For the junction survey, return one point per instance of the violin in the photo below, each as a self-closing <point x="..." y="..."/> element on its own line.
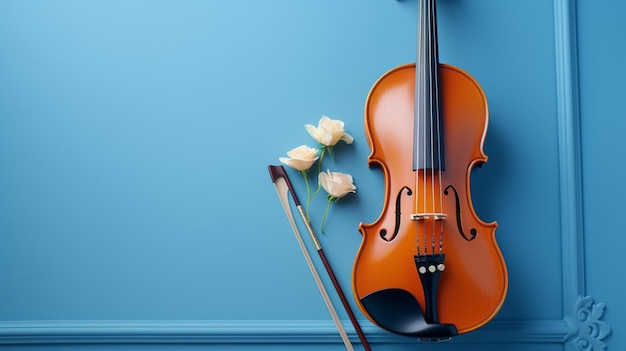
<point x="428" y="267"/>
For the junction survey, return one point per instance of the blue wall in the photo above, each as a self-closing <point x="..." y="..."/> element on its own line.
<point x="136" y="211"/>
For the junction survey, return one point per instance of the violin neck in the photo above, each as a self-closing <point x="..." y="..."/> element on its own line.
<point x="428" y="131"/>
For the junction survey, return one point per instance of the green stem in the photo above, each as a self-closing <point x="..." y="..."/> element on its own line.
<point x="330" y="199"/>
<point x="319" y="170"/>
<point x="330" y="151"/>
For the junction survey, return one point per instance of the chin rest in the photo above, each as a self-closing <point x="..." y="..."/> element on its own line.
<point x="397" y="311"/>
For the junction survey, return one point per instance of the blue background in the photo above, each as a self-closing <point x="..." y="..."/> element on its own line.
<point x="136" y="210"/>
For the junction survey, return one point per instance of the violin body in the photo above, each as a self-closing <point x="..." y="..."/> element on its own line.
<point x="427" y="213"/>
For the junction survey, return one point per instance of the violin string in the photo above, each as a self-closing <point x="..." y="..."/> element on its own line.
<point x="439" y="129"/>
<point x="433" y="116"/>
<point x="430" y="114"/>
<point x="417" y="128"/>
<point x="424" y="114"/>
<point x="428" y="130"/>
<point x="419" y="120"/>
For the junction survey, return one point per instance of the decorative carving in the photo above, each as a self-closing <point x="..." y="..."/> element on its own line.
<point x="586" y="330"/>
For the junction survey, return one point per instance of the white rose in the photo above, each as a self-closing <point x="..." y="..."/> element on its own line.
<point x="329" y="132"/>
<point x="337" y="184"/>
<point x="300" y="158"/>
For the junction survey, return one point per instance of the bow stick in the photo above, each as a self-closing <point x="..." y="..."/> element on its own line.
<point x="282" y="185"/>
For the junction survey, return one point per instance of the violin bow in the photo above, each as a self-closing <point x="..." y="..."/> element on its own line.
<point x="283" y="187"/>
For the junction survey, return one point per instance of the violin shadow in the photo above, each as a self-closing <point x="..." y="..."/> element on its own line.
<point x="492" y="187"/>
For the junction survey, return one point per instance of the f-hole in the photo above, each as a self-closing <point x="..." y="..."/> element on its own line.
<point x="473" y="231"/>
<point x="383" y="232"/>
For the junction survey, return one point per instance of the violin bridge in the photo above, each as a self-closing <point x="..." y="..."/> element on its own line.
<point x="422" y="216"/>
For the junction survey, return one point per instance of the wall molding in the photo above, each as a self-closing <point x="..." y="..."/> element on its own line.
<point x="585" y="330"/>
<point x="569" y="152"/>
<point x="251" y="332"/>
<point x="582" y="330"/>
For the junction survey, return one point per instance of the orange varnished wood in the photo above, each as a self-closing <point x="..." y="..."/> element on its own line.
<point x="473" y="286"/>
